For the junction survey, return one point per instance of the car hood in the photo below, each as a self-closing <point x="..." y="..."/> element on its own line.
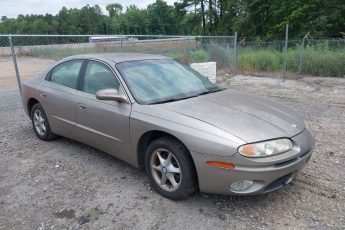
<point x="250" y="118"/>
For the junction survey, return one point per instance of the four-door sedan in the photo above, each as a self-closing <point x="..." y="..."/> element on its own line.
<point x="157" y="114"/>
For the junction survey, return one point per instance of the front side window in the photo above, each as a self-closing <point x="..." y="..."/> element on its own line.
<point x="97" y="77"/>
<point x="67" y="73"/>
<point x="160" y="81"/>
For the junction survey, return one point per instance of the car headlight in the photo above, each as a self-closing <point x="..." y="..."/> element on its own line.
<point x="266" y="148"/>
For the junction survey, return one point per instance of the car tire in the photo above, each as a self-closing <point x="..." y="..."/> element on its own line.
<point x="40" y="123"/>
<point x="170" y="168"/>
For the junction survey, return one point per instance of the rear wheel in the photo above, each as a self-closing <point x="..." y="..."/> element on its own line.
<point x="170" y="168"/>
<point x="40" y="123"/>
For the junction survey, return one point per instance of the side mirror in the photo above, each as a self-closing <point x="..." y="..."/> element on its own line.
<point x="111" y="95"/>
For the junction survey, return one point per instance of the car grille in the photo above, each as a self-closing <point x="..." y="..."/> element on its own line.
<point x="278" y="183"/>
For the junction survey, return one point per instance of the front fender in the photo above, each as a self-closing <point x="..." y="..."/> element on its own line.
<point x="195" y="139"/>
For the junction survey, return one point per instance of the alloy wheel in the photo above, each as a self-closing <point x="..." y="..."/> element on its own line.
<point x="166" y="170"/>
<point x="40" y="123"/>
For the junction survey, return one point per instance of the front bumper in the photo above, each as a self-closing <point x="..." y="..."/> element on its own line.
<point x="268" y="173"/>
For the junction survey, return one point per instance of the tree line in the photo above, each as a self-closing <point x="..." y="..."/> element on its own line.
<point x="250" y="18"/>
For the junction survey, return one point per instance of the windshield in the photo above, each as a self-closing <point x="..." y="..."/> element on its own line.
<point x="160" y="81"/>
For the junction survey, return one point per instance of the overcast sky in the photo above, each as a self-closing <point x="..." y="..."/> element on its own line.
<point x="11" y="8"/>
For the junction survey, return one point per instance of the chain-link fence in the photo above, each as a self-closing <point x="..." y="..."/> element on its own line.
<point x="314" y="57"/>
<point x="260" y="57"/>
<point x="38" y="51"/>
<point x="34" y="53"/>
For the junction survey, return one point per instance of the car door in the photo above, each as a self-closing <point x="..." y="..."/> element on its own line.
<point x="57" y="96"/>
<point x="102" y="124"/>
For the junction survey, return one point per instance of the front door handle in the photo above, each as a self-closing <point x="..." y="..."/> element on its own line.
<point x="82" y="107"/>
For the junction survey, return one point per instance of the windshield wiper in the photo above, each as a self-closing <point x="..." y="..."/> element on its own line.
<point x="209" y="91"/>
<point x="173" y="99"/>
<point x="182" y="98"/>
<point x="165" y="101"/>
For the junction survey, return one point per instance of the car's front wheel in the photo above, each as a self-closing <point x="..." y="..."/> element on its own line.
<point x="170" y="168"/>
<point x="40" y="123"/>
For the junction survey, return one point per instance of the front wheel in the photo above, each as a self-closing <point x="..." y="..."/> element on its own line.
<point x="170" y="168"/>
<point x="40" y="123"/>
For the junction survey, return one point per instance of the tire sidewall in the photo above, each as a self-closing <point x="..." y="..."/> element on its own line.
<point x="40" y="108"/>
<point x="187" y="168"/>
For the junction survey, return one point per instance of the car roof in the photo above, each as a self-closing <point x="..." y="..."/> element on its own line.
<point x="118" y="57"/>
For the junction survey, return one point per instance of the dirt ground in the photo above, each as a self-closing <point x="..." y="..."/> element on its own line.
<point x="67" y="185"/>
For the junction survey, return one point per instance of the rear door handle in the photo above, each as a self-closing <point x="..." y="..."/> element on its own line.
<point x="43" y="95"/>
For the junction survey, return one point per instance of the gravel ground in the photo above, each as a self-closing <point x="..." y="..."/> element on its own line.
<point x="63" y="184"/>
<point x="27" y="66"/>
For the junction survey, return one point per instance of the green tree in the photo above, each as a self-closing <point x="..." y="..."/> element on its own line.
<point x="115" y="21"/>
<point x="91" y="20"/>
<point x="135" y="21"/>
<point x="250" y="18"/>
<point x="114" y="9"/>
<point x="162" y="18"/>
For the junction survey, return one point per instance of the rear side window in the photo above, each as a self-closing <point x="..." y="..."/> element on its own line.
<point x="67" y="73"/>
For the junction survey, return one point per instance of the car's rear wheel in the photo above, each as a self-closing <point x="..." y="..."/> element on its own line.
<point x="40" y="123"/>
<point x="170" y="168"/>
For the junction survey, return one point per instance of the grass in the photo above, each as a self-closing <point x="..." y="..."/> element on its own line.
<point x="196" y="56"/>
<point x="318" y="60"/>
<point x="199" y="55"/>
<point x="260" y="60"/>
<point x="52" y="53"/>
<point x="324" y="62"/>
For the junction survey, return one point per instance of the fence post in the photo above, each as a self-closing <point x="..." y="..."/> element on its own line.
<point x="120" y="43"/>
<point x="235" y="54"/>
<point x="301" y="56"/>
<point x="14" y="57"/>
<point x="188" y="56"/>
<point x="286" y="50"/>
